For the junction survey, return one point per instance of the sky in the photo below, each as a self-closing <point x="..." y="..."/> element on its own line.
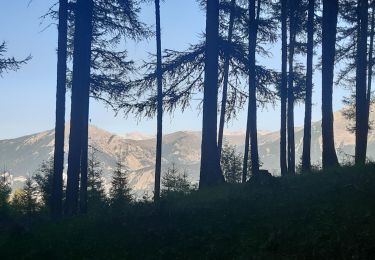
<point x="27" y="97"/>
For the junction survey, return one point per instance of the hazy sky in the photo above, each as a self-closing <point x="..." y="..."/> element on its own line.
<point x="27" y="97"/>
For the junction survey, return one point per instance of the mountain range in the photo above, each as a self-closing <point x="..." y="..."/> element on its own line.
<point x="23" y="156"/>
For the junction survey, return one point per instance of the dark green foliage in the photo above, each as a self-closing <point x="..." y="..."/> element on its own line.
<point x="120" y="192"/>
<point x="231" y="164"/>
<point x="96" y="197"/>
<point x="5" y="191"/>
<point x="24" y="201"/>
<point x="175" y="181"/>
<point x="323" y="215"/>
<point x="43" y="180"/>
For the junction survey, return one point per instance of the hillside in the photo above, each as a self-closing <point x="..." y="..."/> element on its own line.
<point x="23" y="155"/>
<point x="327" y="215"/>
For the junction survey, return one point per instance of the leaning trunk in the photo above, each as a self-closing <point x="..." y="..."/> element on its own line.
<point x="159" y="133"/>
<point x="210" y="171"/>
<point x="57" y="185"/>
<point x="306" y="153"/>
<point x="225" y="80"/>
<point x="284" y="86"/>
<point x="330" y="11"/>
<point x="361" y="123"/>
<point x="80" y="92"/>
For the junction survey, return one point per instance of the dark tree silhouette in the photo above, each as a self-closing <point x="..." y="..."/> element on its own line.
<point x="210" y="171"/>
<point x="306" y="153"/>
<point x="80" y="94"/>
<point x="159" y="133"/>
<point x="226" y="77"/>
<point x="251" y="127"/>
<point x="284" y="86"/>
<point x="361" y="87"/>
<point x="57" y="191"/>
<point x="9" y="64"/>
<point x="329" y="28"/>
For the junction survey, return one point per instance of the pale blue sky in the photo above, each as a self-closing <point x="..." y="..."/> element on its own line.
<point x="27" y="97"/>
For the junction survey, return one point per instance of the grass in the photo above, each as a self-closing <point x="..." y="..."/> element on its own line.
<point x="328" y="215"/>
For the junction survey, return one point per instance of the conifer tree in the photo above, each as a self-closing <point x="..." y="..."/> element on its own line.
<point x="120" y="192"/>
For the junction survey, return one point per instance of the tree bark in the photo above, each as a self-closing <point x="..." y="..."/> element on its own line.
<point x="284" y="86"/>
<point x="159" y="134"/>
<point x="57" y="183"/>
<point x="370" y="65"/>
<point x="210" y="170"/>
<point x="361" y="124"/>
<point x="251" y="127"/>
<point x="290" y="117"/>
<point x="330" y="12"/>
<point x="84" y="156"/>
<point x="80" y="91"/>
<point x="226" y="77"/>
<point x="306" y="153"/>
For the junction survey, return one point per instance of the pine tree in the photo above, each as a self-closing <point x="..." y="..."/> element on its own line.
<point x="175" y="181"/>
<point x="330" y="12"/>
<point x="231" y="164"/>
<point x="25" y="200"/>
<point x="96" y="197"/>
<point x="120" y="192"/>
<point x="210" y="171"/>
<point x="44" y="182"/>
<point x="57" y="191"/>
<point x="5" y="191"/>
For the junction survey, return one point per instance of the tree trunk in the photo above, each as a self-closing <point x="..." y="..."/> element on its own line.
<point x="284" y="86"/>
<point x="84" y="156"/>
<point x="291" y="141"/>
<point x="226" y="77"/>
<point x="57" y="189"/>
<point x="210" y="171"/>
<point x="306" y="153"/>
<point x="80" y="91"/>
<point x="159" y="134"/>
<point x="370" y="64"/>
<point x="251" y="127"/>
<point x="330" y="11"/>
<point x="361" y="123"/>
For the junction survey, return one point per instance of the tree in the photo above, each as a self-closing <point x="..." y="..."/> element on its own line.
<point x="251" y="127"/>
<point x="226" y="77"/>
<point x="57" y="191"/>
<point x="361" y="96"/>
<point x="120" y="192"/>
<point x="25" y="200"/>
<point x="9" y="64"/>
<point x="159" y="133"/>
<point x="306" y="153"/>
<point x="96" y="196"/>
<point x="231" y="164"/>
<point x="175" y="181"/>
<point x="43" y="179"/>
<point x="5" y="191"/>
<point x="80" y="96"/>
<point x="210" y="171"/>
<point x="284" y="87"/>
<point x="330" y="12"/>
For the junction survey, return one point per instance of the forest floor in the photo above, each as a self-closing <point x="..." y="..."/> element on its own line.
<point x="323" y="215"/>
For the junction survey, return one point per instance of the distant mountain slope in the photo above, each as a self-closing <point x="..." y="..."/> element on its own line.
<point x="24" y="155"/>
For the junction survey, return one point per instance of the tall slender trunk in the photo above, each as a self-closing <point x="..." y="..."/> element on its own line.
<point x="251" y="127"/>
<point x="306" y="153"/>
<point x="361" y="123"/>
<point x="84" y="156"/>
<point x="226" y="77"/>
<point x="284" y="87"/>
<point x="57" y="189"/>
<point x="80" y="91"/>
<point x="370" y="65"/>
<point x="210" y="171"/>
<point x="159" y="133"/>
<point x="330" y="11"/>
<point x="290" y="117"/>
